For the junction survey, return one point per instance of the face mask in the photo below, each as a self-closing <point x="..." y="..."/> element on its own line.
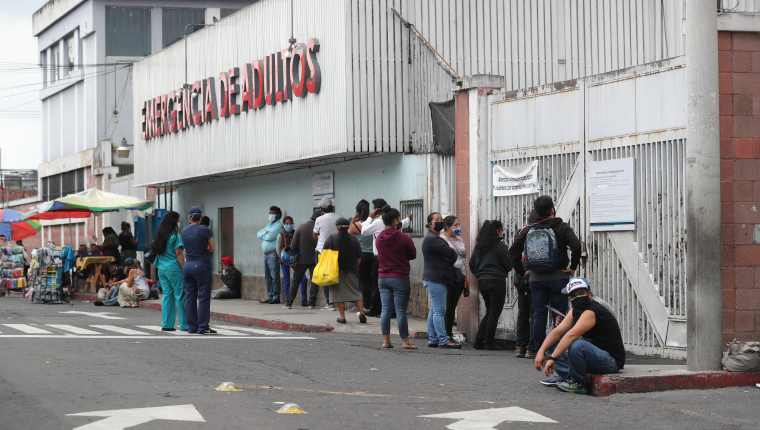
<point x="272" y="218"/>
<point x="438" y="225"/>
<point x="288" y="228"/>
<point x="457" y="231"/>
<point x="580" y="302"/>
<point x="224" y="270"/>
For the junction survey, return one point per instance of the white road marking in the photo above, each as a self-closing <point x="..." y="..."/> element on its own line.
<point x="103" y="315"/>
<point x="121" y="419"/>
<point x="227" y="332"/>
<point x="117" y="329"/>
<point x="27" y="328"/>
<point x="486" y="419"/>
<point x="72" y="329"/>
<point x="253" y="330"/>
<point x="158" y="328"/>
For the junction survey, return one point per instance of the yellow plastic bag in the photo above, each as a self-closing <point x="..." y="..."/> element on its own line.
<point x="326" y="272"/>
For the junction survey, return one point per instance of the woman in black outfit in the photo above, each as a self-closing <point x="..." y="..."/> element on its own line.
<point x="491" y="264"/>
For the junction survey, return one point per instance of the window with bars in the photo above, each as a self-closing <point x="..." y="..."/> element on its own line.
<point x="174" y="22"/>
<point x="63" y="184"/>
<point x="415" y="207"/>
<point x="125" y="169"/>
<point x="128" y="31"/>
<point x="70" y="53"/>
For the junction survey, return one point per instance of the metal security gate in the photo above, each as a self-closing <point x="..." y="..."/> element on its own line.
<point x="640" y="113"/>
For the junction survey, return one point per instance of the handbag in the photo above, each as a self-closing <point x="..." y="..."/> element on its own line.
<point x="326" y="272"/>
<point x="151" y="254"/>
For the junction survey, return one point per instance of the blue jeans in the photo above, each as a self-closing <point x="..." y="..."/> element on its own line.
<point x="582" y="358"/>
<point x="394" y="293"/>
<point x="197" y="277"/>
<point x="114" y="300"/>
<point x="436" y="321"/>
<point x="272" y="275"/>
<point x="286" y="283"/>
<point x="325" y="288"/>
<point x="546" y="293"/>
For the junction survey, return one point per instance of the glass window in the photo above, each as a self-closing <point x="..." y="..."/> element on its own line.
<point x="80" y="180"/>
<point x="128" y="31"/>
<point x="227" y="12"/>
<point x="43" y="63"/>
<point x="45" y="190"/>
<point x="68" y="183"/>
<point x="70" y="53"/>
<point x="174" y="22"/>
<point x="55" y="59"/>
<point x="54" y="187"/>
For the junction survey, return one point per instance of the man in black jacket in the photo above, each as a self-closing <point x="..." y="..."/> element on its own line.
<point x="304" y="244"/>
<point x="546" y="287"/>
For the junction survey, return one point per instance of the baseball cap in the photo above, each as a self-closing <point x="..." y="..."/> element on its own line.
<point x="576" y="284"/>
<point x="129" y="262"/>
<point x="316" y="215"/>
<point x="227" y="261"/>
<point x="195" y="213"/>
<point x="325" y="202"/>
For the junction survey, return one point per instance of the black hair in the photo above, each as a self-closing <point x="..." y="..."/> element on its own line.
<point x="327" y="210"/>
<point x="390" y="214"/>
<point x="125" y="225"/>
<point x="487" y="236"/>
<point x="108" y="230"/>
<point x="206" y="221"/>
<point x="277" y="211"/>
<point x="288" y="218"/>
<point x="430" y="218"/>
<point x="362" y="209"/>
<point x="543" y="206"/>
<point x="449" y="221"/>
<point x="166" y="230"/>
<point x="379" y="203"/>
<point x="345" y="262"/>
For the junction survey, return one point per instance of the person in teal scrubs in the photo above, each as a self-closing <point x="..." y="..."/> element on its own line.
<point x="170" y="259"/>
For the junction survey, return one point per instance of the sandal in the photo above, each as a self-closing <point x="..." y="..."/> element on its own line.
<point x="387" y="345"/>
<point x="408" y="345"/>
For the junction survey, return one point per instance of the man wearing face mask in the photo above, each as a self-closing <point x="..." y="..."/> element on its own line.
<point x="268" y="236"/>
<point x="600" y="351"/>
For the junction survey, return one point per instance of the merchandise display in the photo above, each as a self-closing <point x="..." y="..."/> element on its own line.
<point x="45" y="275"/>
<point x="13" y="261"/>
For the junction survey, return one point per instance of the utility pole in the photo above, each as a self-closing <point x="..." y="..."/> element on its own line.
<point x="704" y="295"/>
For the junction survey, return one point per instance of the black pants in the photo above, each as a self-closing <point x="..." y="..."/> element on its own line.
<point x="299" y="271"/>
<point x="525" y="321"/>
<point x="494" y="294"/>
<point x="365" y="277"/>
<point x="452" y="298"/>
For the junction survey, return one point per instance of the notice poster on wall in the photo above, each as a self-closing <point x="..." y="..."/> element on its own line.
<point x="611" y="195"/>
<point x="515" y="180"/>
<point x="322" y="185"/>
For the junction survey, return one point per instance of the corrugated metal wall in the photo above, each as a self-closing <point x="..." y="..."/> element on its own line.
<point x="291" y="131"/>
<point x="750" y="6"/>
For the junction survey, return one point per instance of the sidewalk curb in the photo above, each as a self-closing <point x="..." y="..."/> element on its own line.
<point x="238" y="319"/>
<point x="605" y="385"/>
<point x="84" y="297"/>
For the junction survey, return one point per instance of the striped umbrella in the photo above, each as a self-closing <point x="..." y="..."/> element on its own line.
<point x="14" y="227"/>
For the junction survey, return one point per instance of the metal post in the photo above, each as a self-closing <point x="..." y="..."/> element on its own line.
<point x="704" y="296"/>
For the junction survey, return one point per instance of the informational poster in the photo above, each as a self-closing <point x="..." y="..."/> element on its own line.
<point x="515" y="180"/>
<point x="611" y="195"/>
<point x="322" y="185"/>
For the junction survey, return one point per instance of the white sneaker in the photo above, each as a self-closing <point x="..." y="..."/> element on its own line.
<point x="328" y="307"/>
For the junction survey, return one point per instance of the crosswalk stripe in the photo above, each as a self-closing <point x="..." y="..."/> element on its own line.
<point x="253" y="330"/>
<point x="27" y="328"/>
<point x="227" y="332"/>
<point x="158" y="328"/>
<point x="72" y="329"/>
<point x="117" y="329"/>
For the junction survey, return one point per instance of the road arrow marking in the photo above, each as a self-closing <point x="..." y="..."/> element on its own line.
<point x="95" y="314"/>
<point x="485" y="419"/>
<point x="123" y="418"/>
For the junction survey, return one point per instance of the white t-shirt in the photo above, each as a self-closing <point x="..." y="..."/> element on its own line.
<point x="325" y="226"/>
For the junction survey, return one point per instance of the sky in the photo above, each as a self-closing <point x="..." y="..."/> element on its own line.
<point x="20" y="126"/>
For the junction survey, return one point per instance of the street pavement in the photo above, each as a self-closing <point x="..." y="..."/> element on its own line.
<point x="114" y="368"/>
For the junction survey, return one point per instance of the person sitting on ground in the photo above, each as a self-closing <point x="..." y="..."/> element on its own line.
<point x="232" y="278"/>
<point x="600" y="351"/>
<point x="135" y="287"/>
<point x="108" y="295"/>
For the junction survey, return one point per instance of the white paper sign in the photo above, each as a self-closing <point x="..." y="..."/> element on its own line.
<point x="322" y="185"/>
<point x="610" y="189"/>
<point x="515" y="180"/>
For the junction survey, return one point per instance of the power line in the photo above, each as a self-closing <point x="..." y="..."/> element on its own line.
<point x="96" y="75"/>
<point x="52" y="84"/>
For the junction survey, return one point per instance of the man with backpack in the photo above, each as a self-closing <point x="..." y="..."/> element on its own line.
<point x="542" y="247"/>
